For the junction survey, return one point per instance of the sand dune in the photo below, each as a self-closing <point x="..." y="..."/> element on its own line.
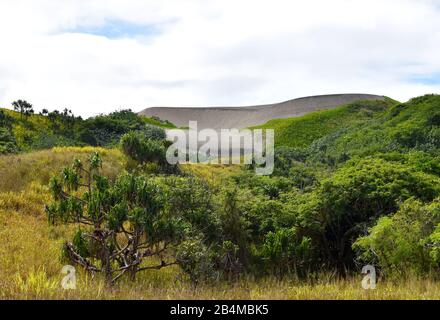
<point x="242" y="117"/>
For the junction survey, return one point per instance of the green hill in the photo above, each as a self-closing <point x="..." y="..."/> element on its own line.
<point x="363" y="128"/>
<point x="403" y="128"/>
<point x="302" y="131"/>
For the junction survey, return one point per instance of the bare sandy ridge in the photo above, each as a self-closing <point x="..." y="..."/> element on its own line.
<point x="242" y="117"/>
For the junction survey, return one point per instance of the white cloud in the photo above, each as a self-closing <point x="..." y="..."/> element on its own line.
<point x="214" y="52"/>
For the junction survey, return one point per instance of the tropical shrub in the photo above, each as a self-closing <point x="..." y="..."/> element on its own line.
<point x="405" y="242"/>
<point x="147" y="149"/>
<point x="154" y="133"/>
<point x="285" y="252"/>
<point x="142" y="149"/>
<point x="122" y="223"/>
<point x="352" y="199"/>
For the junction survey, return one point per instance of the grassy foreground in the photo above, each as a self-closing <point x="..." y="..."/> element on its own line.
<point x="30" y="265"/>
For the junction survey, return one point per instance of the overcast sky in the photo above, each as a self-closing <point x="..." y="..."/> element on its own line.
<point x="98" y="56"/>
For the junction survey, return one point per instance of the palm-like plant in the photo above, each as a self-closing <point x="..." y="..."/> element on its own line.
<point x="25" y="108"/>
<point x="123" y="223"/>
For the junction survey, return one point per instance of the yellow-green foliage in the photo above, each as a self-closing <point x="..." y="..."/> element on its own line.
<point x="215" y="175"/>
<point x="29" y="201"/>
<point x="22" y="131"/>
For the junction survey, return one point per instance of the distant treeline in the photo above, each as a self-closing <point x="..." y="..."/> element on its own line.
<point x="24" y="130"/>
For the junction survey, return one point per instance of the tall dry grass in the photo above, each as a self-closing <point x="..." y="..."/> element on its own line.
<point x="17" y="171"/>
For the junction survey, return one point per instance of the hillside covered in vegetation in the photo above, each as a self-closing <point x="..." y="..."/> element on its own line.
<point x="22" y="130"/>
<point x="352" y="186"/>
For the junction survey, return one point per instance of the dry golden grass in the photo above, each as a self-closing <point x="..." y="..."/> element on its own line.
<point x="17" y="171"/>
<point x="30" y="265"/>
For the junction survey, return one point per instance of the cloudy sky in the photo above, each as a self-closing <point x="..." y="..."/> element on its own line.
<point x="98" y="56"/>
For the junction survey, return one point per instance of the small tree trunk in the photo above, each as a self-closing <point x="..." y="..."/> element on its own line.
<point x="106" y="265"/>
<point x="133" y="271"/>
<point x="134" y="249"/>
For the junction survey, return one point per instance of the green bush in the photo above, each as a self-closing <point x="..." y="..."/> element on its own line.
<point x="196" y="261"/>
<point x="154" y="133"/>
<point x="405" y="242"/>
<point x="8" y="144"/>
<point x="352" y="199"/>
<point x="303" y="177"/>
<point x="285" y="252"/>
<point x="140" y="148"/>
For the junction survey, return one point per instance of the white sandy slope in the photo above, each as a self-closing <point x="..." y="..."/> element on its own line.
<point x="242" y="117"/>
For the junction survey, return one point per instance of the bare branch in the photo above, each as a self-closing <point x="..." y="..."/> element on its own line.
<point x="75" y="257"/>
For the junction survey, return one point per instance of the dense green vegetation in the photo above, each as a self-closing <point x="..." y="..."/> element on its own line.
<point x="352" y="186"/>
<point x="22" y="130"/>
<point x="353" y="180"/>
<point x="302" y="131"/>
